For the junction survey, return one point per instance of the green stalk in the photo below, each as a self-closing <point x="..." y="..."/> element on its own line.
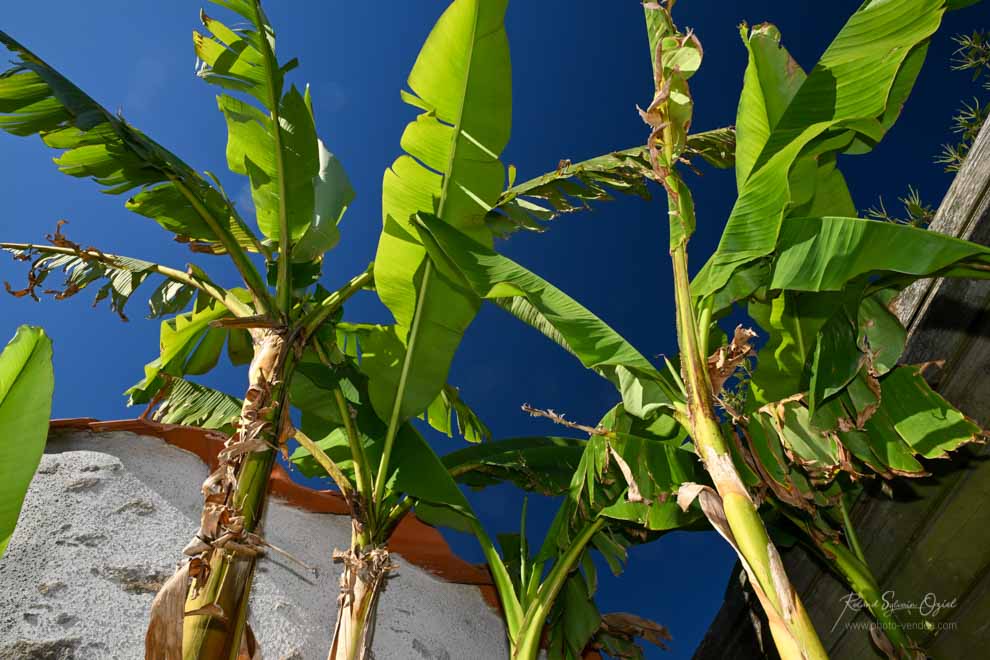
<point x="327" y="463"/>
<point x="860" y="579"/>
<point x="400" y="390"/>
<point x="704" y="323"/>
<point x="237" y="254"/>
<point x="527" y="647"/>
<point x="850" y="530"/>
<point x="362" y="475"/>
<point x="795" y="638"/>
<point x="503" y="583"/>
<point x="326" y="307"/>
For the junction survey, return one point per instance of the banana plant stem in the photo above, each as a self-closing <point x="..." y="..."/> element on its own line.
<point x="795" y="636"/>
<point x="240" y="258"/>
<point x="362" y="475"/>
<point x="326" y="307"/>
<point x="527" y="646"/>
<point x="857" y="574"/>
<point x="216" y="635"/>
<point x="850" y="530"/>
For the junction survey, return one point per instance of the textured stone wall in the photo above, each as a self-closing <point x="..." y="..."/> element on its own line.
<point x="102" y="528"/>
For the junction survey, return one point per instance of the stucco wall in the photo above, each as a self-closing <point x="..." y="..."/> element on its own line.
<point x="103" y="525"/>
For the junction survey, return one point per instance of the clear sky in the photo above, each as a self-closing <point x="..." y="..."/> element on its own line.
<point x="579" y="68"/>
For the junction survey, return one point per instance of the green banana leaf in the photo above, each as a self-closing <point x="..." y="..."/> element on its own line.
<point x="189" y="346"/>
<point x="847" y="103"/>
<point x="36" y="99"/>
<point x="771" y="80"/>
<point x="462" y="82"/>
<point x="379" y="352"/>
<point x="186" y="403"/>
<point x="572" y="186"/>
<point x="26" y="386"/>
<point x="295" y="181"/>
<point x="535" y="464"/>
<point x="824" y="254"/>
<point x="882" y="428"/>
<point x="492" y="276"/>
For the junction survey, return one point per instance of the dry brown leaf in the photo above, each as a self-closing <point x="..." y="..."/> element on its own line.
<point x="250" y="650"/>
<point x="724" y="362"/>
<point x="633" y="494"/>
<point x="632" y="626"/>
<point x="163" y="641"/>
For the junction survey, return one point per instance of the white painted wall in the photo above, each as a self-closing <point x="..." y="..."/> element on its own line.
<point x="104" y="523"/>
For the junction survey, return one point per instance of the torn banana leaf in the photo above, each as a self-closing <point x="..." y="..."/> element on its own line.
<point x="190" y="404"/>
<point x="119" y="276"/>
<point x="883" y="428"/>
<point x="864" y="81"/>
<point x="572" y="186"/>
<point x="37" y="100"/>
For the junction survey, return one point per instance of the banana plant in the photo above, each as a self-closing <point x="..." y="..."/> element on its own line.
<point x="26" y="386"/>
<point x="621" y="493"/>
<point x="285" y="324"/>
<point x="818" y="279"/>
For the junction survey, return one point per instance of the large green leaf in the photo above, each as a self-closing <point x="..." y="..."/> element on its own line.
<point x="771" y="80"/>
<point x="835" y="277"/>
<point x="333" y="194"/>
<point x="462" y="81"/>
<point x="36" y="99"/>
<point x="416" y="471"/>
<point x="792" y="322"/>
<point x="26" y="386"/>
<point x="379" y="352"/>
<point x="573" y="620"/>
<point x="296" y="183"/>
<point x="824" y="254"/>
<point x="493" y="276"/>
<point x="849" y="100"/>
<point x="572" y="186"/>
<point x="884" y="428"/>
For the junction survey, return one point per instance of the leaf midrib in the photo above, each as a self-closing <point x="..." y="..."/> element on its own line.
<point x="460" y="114"/>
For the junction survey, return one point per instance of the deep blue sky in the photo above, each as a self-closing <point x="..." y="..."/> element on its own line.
<point x="579" y="70"/>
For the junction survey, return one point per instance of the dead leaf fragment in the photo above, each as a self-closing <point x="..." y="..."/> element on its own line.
<point x="633" y="494"/>
<point x="630" y="626"/>
<point x="724" y="362"/>
<point x="163" y="641"/>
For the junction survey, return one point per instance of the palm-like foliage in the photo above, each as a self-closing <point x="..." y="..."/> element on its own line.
<point x="290" y="333"/>
<point x="826" y="404"/>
